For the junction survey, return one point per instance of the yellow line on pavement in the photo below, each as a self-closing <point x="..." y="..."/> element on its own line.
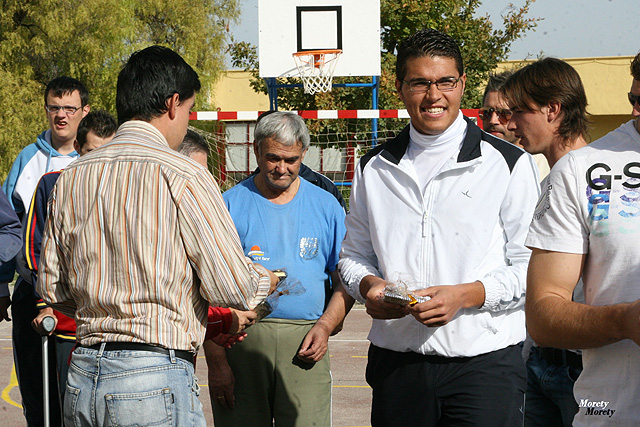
<point x="13" y="382"/>
<point x="351" y="386"/>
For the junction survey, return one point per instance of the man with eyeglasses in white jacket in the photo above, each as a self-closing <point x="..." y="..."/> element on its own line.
<point x="446" y="207"/>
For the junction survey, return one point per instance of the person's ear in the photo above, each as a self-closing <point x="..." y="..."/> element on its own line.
<point x="463" y="82"/>
<point x="554" y="109"/>
<point x="172" y="105"/>
<point x="399" y="89"/>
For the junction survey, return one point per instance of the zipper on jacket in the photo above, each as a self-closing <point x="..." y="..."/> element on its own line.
<point x="425" y="217"/>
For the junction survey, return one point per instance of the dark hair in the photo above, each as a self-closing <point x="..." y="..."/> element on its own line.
<point x="635" y="67"/>
<point x="284" y="126"/>
<point x="63" y="85"/>
<point x="551" y="80"/>
<point x="427" y="42"/>
<point x="99" y="122"/>
<point x="149" y="78"/>
<point x="495" y="82"/>
<point x="193" y="142"/>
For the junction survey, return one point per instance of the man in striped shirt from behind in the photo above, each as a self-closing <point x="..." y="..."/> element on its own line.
<point x="138" y="243"/>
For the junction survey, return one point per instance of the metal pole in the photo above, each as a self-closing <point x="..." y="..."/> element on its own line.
<point x="48" y="324"/>
<point x="374" y="105"/>
<point x="272" y="90"/>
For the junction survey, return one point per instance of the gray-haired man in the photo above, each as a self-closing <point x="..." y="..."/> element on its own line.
<point x="283" y="221"/>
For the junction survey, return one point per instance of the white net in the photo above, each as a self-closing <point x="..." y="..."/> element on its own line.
<point x="316" y="69"/>
<point x="336" y="147"/>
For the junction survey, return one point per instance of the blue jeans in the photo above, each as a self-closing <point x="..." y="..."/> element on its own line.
<point x="549" y="397"/>
<point x="131" y="388"/>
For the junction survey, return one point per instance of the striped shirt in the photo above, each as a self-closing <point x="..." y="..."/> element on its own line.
<point x="138" y="242"/>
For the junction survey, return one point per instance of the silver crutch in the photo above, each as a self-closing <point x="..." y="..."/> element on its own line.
<point x="48" y="324"/>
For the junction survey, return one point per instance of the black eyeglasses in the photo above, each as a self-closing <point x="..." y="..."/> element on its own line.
<point x="504" y="114"/>
<point x="633" y="99"/>
<point x="443" y="85"/>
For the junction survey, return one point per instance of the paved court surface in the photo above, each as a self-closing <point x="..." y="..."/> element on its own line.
<point x="348" y="352"/>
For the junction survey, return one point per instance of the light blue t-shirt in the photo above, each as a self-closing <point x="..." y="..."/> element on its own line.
<point x="302" y="236"/>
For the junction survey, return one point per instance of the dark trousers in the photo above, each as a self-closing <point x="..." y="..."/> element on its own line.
<point x="411" y="389"/>
<point x="27" y="355"/>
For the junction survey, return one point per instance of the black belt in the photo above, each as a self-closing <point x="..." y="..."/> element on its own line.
<point x="136" y="346"/>
<point x="559" y="357"/>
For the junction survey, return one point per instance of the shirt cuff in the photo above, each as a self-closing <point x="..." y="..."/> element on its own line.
<point x="264" y="285"/>
<point x="354" y="286"/>
<point x="491" y="292"/>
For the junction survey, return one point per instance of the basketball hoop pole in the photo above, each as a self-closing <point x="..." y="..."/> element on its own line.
<point x="273" y="86"/>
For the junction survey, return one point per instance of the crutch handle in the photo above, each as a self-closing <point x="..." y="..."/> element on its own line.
<point x="48" y="323"/>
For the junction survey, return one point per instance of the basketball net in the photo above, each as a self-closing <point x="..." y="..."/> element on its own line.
<point x="316" y="69"/>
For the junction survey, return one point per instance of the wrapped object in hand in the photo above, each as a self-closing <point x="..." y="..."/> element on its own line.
<point x="286" y="287"/>
<point x="397" y="292"/>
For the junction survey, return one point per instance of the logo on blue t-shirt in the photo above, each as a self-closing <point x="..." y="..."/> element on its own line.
<point x="308" y="247"/>
<point x="257" y="254"/>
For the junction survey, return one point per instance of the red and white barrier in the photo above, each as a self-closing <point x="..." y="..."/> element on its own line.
<point x="313" y="114"/>
<point x="306" y="114"/>
<point x="251" y="116"/>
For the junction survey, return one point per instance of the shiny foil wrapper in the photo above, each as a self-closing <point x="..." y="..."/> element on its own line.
<point x="409" y="299"/>
<point x="397" y="293"/>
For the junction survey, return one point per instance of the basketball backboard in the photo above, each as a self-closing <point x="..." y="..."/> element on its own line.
<point x="289" y="26"/>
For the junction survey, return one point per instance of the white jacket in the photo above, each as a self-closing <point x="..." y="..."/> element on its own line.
<point x="470" y="224"/>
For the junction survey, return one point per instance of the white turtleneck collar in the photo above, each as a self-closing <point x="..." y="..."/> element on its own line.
<point x="428" y="153"/>
<point x="453" y="132"/>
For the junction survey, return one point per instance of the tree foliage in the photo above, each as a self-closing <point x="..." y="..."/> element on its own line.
<point x="482" y="48"/>
<point x="90" y="40"/>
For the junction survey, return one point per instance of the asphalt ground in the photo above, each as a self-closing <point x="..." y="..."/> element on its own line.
<point x="347" y="350"/>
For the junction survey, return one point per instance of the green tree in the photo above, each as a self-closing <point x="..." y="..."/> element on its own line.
<point x="90" y="40"/>
<point x="482" y="48"/>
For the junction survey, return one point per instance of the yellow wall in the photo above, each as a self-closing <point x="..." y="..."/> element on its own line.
<point x="606" y="82"/>
<point x="233" y="93"/>
<point x="602" y="125"/>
